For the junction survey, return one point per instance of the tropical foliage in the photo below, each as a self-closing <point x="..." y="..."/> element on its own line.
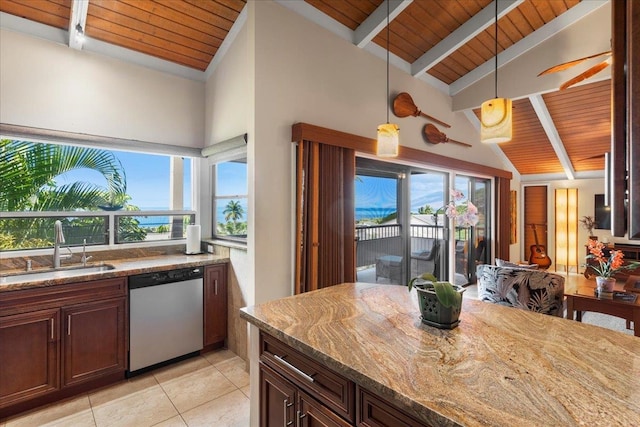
<point x="29" y="173"/>
<point x="233" y="213"/>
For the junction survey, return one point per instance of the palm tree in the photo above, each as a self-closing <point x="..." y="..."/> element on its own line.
<point x="28" y="173"/>
<point x="233" y="211"/>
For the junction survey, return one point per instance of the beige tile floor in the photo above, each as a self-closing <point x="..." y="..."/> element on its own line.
<point x="208" y="390"/>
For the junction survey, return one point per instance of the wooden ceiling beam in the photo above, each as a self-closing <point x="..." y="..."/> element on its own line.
<point x="79" y="9"/>
<point x="375" y="22"/>
<point x="462" y="35"/>
<point x="550" y="129"/>
<point x="532" y="40"/>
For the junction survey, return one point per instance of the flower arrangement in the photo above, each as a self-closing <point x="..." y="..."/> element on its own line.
<point x="606" y="267"/>
<point x="465" y="216"/>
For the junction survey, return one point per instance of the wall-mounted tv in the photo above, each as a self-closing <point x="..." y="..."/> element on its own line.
<point x="603" y="213"/>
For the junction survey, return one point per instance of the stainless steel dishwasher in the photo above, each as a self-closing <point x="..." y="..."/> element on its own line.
<point x="165" y="317"/>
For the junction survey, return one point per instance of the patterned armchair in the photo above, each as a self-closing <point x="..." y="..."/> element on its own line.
<point x="533" y="290"/>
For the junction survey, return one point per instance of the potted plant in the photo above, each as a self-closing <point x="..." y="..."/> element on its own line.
<point x="605" y="266"/>
<point x="589" y="223"/>
<point x="440" y="302"/>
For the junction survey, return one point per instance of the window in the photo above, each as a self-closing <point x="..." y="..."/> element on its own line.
<point x="100" y="196"/>
<point x="230" y="199"/>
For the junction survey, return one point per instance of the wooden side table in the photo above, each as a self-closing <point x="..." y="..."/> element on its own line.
<point x="584" y="299"/>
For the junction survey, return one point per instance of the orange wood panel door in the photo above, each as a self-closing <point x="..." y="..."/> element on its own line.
<point x="535" y="216"/>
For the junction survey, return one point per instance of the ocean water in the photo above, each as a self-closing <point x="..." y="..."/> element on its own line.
<point x="361" y="213"/>
<point x="373" y="212"/>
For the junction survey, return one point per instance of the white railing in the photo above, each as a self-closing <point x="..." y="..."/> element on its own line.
<point x="107" y="229"/>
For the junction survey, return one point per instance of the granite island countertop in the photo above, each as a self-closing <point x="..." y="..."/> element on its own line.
<point x="500" y="367"/>
<point x="123" y="267"/>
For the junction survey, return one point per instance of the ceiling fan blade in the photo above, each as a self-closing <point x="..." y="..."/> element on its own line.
<point x="565" y="65"/>
<point x="582" y="76"/>
<point x="598" y="156"/>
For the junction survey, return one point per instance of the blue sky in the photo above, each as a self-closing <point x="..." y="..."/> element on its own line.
<point x="147" y="179"/>
<point x="381" y="192"/>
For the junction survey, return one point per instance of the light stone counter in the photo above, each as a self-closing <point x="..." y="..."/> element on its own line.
<point x="125" y="266"/>
<point x="501" y="367"/>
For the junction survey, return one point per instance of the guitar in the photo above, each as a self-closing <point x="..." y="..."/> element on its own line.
<point x="538" y="254"/>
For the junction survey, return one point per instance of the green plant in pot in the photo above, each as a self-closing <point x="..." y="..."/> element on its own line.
<point x="440" y="302"/>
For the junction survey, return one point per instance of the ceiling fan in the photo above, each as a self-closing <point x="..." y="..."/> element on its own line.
<point x="585" y="75"/>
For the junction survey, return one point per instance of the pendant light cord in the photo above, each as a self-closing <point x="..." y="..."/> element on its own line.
<point x="495" y="77"/>
<point x="386" y="96"/>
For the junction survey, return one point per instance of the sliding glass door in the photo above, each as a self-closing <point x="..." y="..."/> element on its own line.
<point x="428" y="231"/>
<point x="472" y="243"/>
<point x="379" y="241"/>
<point x="402" y="230"/>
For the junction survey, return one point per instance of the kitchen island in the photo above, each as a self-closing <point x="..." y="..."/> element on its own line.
<point x="500" y="367"/>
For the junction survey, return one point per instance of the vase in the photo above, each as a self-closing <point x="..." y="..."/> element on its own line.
<point x="605" y="283"/>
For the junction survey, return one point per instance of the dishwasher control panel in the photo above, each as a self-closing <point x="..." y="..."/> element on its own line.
<point x="161" y="277"/>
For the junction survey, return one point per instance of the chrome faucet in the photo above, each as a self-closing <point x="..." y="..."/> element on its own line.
<point x="85" y="258"/>
<point x="59" y="238"/>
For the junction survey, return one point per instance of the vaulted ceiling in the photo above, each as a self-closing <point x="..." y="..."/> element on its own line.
<point x="447" y="43"/>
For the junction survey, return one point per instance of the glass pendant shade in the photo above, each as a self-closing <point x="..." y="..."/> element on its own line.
<point x="496" y="121"/>
<point x="388" y="140"/>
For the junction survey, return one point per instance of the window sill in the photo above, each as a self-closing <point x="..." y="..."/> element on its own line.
<point x="227" y="243"/>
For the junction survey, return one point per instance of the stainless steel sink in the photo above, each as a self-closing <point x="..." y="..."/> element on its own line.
<point x="79" y="270"/>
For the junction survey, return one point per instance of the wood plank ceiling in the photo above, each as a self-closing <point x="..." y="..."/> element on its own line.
<point x="190" y="33"/>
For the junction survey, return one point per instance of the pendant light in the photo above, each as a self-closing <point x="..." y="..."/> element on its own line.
<point x="495" y="114"/>
<point x="388" y="133"/>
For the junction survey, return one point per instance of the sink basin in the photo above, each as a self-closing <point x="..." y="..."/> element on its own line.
<point x="26" y="276"/>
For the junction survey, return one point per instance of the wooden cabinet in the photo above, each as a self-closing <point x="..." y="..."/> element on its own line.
<point x="296" y="390"/>
<point x="376" y="412"/>
<point x="55" y="340"/>
<point x="215" y="305"/>
<point x="29" y="355"/>
<point x="284" y="404"/>
<point x="94" y="340"/>
<point x="277" y="399"/>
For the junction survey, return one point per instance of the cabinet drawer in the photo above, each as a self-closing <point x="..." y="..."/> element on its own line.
<point x="328" y="387"/>
<point x="375" y="412"/>
<point x="25" y="300"/>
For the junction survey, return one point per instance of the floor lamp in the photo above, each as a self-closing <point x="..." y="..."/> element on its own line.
<point x="566" y="227"/>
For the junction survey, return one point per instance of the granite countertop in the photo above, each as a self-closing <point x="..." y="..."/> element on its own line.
<point x="123" y="267"/>
<point x="500" y="367"/>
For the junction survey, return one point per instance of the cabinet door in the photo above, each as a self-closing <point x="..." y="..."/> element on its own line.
<point x="215" y="304"/>
<point x="312" y="414"/>
<point x="29" y="355"/>
<point x="277" y="399"/>
<point x="375" y="412"/>
<point x="94" y="340"/>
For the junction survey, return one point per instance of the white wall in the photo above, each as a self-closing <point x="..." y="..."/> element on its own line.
<point x="228" y="103"/>
<point x="587" y="189"/>
<point x="306" y="74"/>
<point x="51" y="86"/>
<point x="229" y="98"/>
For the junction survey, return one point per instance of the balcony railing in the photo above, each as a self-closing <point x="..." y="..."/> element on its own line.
<point x="375" y="241"/>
